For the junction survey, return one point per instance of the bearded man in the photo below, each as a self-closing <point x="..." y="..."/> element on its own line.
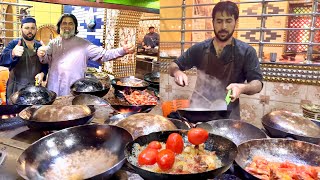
<point x="223" y="63"/>
<point x="68" y="54"/>
<point x="20" y="56"/>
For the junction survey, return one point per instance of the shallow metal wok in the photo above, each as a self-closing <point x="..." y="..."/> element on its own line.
<point x="87" y="99"/>
<point x="91" y="86"/>
<point x="52" y="124"/>
<point x="132" y="108"/>
<point x="37" y="158"/>
<point x="153" y="79"/>
<point x="195" y="115"/>
<point x="11" y="109"/>
<point x="285" y="124"/>
<point x="279" y="150"/>
<point x="33" y="95"/>
<point x="128" y="89"/>
<point x="236" y="130"/>
<point x="225" y="149"/>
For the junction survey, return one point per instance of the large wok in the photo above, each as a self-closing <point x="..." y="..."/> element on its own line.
<point x="11" y="109"/>
<point x="33" y="95"/>
<point x="128" y="89"/>
<point x="279" y="150"/>
<point x="37" y="158"/>
<point x="91" y="86"/>
<point x="283" y="124"/>
<point x="52" y="124"/>
<point x="153" y="79"/>
<point x="195" y="115"/>
<point x="225" y="149"/>
<point x="236" y="130"/>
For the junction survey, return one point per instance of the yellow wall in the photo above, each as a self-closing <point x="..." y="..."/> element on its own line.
<point x="44" y="13"/>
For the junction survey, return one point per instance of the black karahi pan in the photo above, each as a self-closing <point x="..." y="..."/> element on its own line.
<point x="11" y="109"/>
<point x="52" y="124"/>
<point x="37" y="158"/>
<point x="225" y="149"/>
<point x="236" y="130"/>
<point x="195" y="115"/>
<point x="33" y="95"/>
<point x="129" y="89"/>
<point x="279" y="150"/>
<point x="153" y="79"/>
<point x="132" y="108"/>
<point x="92" y="86"/>
<point x="285" y="124"/>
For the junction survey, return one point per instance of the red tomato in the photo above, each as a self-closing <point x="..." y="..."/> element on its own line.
<point x="155" y="145"/>
<point x="175" y="143"/>
<point x="197" y="136"/>
<point x="148" y="157"/>
<point x="165" y="159"/>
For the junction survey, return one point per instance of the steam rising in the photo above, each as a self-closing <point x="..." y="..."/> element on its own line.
<point x="209" y="93"/>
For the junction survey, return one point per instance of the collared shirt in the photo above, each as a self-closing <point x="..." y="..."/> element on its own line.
<point x="151" y="39"/>
<point x="247" y="66"/>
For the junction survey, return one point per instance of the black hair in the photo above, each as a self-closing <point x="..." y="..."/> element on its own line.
<point x="75" y="21"/>
<point x="226" y="6"/>
<point x="151" y="27"/>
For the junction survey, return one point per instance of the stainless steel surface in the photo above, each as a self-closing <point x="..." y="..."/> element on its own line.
<point x="263" y="25"/>
<point x="312" y="33"/>
<point x="183" y="25"/>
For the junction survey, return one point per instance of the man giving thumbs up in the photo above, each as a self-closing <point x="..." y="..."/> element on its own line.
<point x="20" y="56"/>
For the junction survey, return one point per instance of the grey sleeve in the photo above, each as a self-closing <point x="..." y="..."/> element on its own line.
<point x="188" y="59"/>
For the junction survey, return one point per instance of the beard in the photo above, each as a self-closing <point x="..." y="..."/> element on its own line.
<point x="26" y="37"/>
<point x="67" y="35"/>
<point x="223" y="39"/>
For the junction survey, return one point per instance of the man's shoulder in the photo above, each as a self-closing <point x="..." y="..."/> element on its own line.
<point x="244" y="45"/>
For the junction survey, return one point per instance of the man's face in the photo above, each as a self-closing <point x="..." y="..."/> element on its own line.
<point x="67" y="28"/>
<point x="151" y="30"/>
<point x="28" y="31"/>
<point x="223" y="26"/>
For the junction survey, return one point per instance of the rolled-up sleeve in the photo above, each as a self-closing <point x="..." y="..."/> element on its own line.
<point x="48" y="57"/>
<point x="96" y="52"/>
<point x="252" y="66"/>
<point x="187" y="59"/>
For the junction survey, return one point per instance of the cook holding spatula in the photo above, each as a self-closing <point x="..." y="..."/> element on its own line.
<point x="224" y="64"/>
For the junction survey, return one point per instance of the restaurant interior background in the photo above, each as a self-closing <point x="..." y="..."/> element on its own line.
<point x="288" y="28"/>
<point x="293" y="79"/>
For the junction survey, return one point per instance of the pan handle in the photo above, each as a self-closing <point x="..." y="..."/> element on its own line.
<point x="127" y="167"/>
<point x="184" y="120"/>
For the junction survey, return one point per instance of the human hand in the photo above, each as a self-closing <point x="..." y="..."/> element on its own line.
<point x="42" y="50"/>
<point x="39" y="78"/>
<point x="128" y="47"/>
<point x="180" y="78"/>
<point x="18" y="50"/>
<point x="237" y="90"/>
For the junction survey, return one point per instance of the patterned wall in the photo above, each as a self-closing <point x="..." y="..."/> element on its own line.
<point x="83" y="14"/>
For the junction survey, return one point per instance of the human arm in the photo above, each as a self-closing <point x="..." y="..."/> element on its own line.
<point x="95" y="52"/>
<point x="11" y="53"/>
<point x="45" y="52"/>
<point x="252" y="74"/>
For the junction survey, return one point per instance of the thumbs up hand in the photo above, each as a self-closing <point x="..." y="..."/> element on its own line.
<point x="42" y="50"/>
<point x="18" y="50"/>
<point x="128" y="47"/>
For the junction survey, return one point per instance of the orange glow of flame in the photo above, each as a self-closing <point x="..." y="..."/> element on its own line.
<point x="46" y="132"/>
<point x="127" y="110"/>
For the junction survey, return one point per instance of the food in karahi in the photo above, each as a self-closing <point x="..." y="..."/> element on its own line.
<point x="175" y="156"/>
<point x="141" y="98"/>
<point x="131" y="83"/>
<point x="81" y="164"/>
<point x="267" y="170"/>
